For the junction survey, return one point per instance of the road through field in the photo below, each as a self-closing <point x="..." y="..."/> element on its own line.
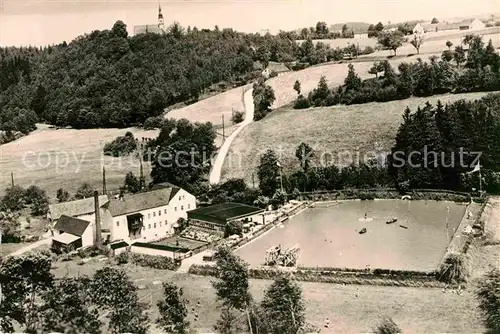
<point x="215" y="173"/>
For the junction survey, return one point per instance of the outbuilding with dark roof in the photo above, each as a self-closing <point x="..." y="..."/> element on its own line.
<point x="216" y="217"/>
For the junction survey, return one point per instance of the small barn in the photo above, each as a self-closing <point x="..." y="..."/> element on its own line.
<point x="72" y="233"/>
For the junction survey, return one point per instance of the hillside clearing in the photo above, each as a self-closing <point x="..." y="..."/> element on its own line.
<point x="329" y="131"/>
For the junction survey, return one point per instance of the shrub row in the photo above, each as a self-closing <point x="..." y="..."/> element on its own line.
<point x="371" y="194"/>
<point x="152" y="261"/>
<point x="406" y="280"/>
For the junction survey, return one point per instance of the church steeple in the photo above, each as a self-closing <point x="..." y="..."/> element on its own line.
<point x="161" y="23"/>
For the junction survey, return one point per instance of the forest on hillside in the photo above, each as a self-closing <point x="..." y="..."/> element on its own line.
<point x="109" y="79"/>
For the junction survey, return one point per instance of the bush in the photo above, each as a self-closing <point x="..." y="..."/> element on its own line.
<point x="387" y="326"/>
<point x="302" y="103"/>
<point x="238" y="117"/>
<point x="154" y="261"/>
<point x="122" y="145"/>
<point x="273" y="74"/>
<point x="367" y="50"/>
<point x="93" y="251"/>
<point x="366" y="196"/>
<point x="332" y="99"/>
<point x="153" y="123"/>
<point x="454" y="269"/>
<point x="122" y="258"/>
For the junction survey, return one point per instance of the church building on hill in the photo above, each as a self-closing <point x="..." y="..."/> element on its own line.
<point x="158" y="28"/>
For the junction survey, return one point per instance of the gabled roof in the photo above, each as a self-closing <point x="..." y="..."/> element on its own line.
<point x="71" y="225"/>
<point x="76" y="208"/>
<point x="142" y="201"/>
<point x="277" y="67"/>
<point x="222" y="213"/>
<point x="149" y="28"/>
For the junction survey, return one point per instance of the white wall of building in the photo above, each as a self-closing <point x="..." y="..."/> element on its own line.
<point x="88" y="235"/>
<point x="157" y="222"/>
<point x="477" y="25"/>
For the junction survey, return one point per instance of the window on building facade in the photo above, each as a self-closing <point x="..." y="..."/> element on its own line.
<point x="189" y="206"/>
<point x="154" y="213"/>
<point x="154" y="225"/>
<point x="182" y="207"/>
<point x="175" y="208"/>
<point x="149" y="216"/>
<point x="180" y="198"/>
<point x="183" y="197"/>
<point x="117" y="223"/>
<point x="165" y="211"/>
<point x="143" y="227"/>
<point x="149" y="226"/>
<point x="160" y="224"/>
<point x="159" y="213"/>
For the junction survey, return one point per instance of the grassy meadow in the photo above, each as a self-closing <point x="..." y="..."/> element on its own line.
<point x="330" y="130"/>
<point x="65" y="158"/>
<point x="351" y="308"/>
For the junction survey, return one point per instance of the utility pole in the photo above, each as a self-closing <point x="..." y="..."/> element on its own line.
<point x="103" y="180"/>
<point x="223" y="133"/>
<point x="253" y="180"/>
<point x="12" y="178"/>
<point x="447" y="230"/>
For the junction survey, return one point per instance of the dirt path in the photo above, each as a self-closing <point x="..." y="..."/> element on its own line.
<point x="31" y="247"/>
<point x="215" y="173"/>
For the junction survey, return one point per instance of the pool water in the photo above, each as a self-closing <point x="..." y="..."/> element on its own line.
<point x="329" y="236"/>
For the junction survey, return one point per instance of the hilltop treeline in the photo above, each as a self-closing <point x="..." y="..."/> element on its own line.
<point x="108" y="79"/>
<point x="458" y="71"/>
<point x="448" y="141"/>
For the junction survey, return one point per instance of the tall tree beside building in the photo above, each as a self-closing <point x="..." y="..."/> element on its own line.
<point x="263" y="98"/>
<point x="391" y="40"/>
<point x="268" y="173"/>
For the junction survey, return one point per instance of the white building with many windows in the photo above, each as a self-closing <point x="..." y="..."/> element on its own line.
<point x="149" y="215"/>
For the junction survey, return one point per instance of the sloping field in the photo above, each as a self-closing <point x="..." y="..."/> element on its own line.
<point x="212" y="108"/>
<point x="351" y="308"/>
<point x="433" y="42"/>
<point x="332" y="132"/>
<point x="436" y="43"/>
<point x="65" y="158"/>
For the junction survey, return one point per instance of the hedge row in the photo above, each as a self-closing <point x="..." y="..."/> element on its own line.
<point x="161" y="247"/>
<point x="152" y="261"/>
<point x="359" y="278"/>
<point x="371" y="194"/>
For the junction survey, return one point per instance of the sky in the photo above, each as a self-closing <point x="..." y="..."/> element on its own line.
<point x="42" y="22"/>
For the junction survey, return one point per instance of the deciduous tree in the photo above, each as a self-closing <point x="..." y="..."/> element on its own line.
<point x="263" y="98"/>
<point x="283" y="306"/>
<point x="68" y="308"/>
<point x="391" y="40"/>
<point x="23" y="279"/>
<point x="305" y="154"/>
<point x="113" y="291"/>
<point x="268" y="173"/>
<point x="417" y="41"/>
<point x="173" y="311"/>
<point x="231" y="286"/>
<point x="84" y="191"/>
<point x="296" y="86"/>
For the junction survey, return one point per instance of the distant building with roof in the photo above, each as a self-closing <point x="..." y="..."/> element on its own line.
<point x="158" y="28"/>
<point x="275" y="67"/>
<point x="216" y="217"/>
<point x="474" y="24"/>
